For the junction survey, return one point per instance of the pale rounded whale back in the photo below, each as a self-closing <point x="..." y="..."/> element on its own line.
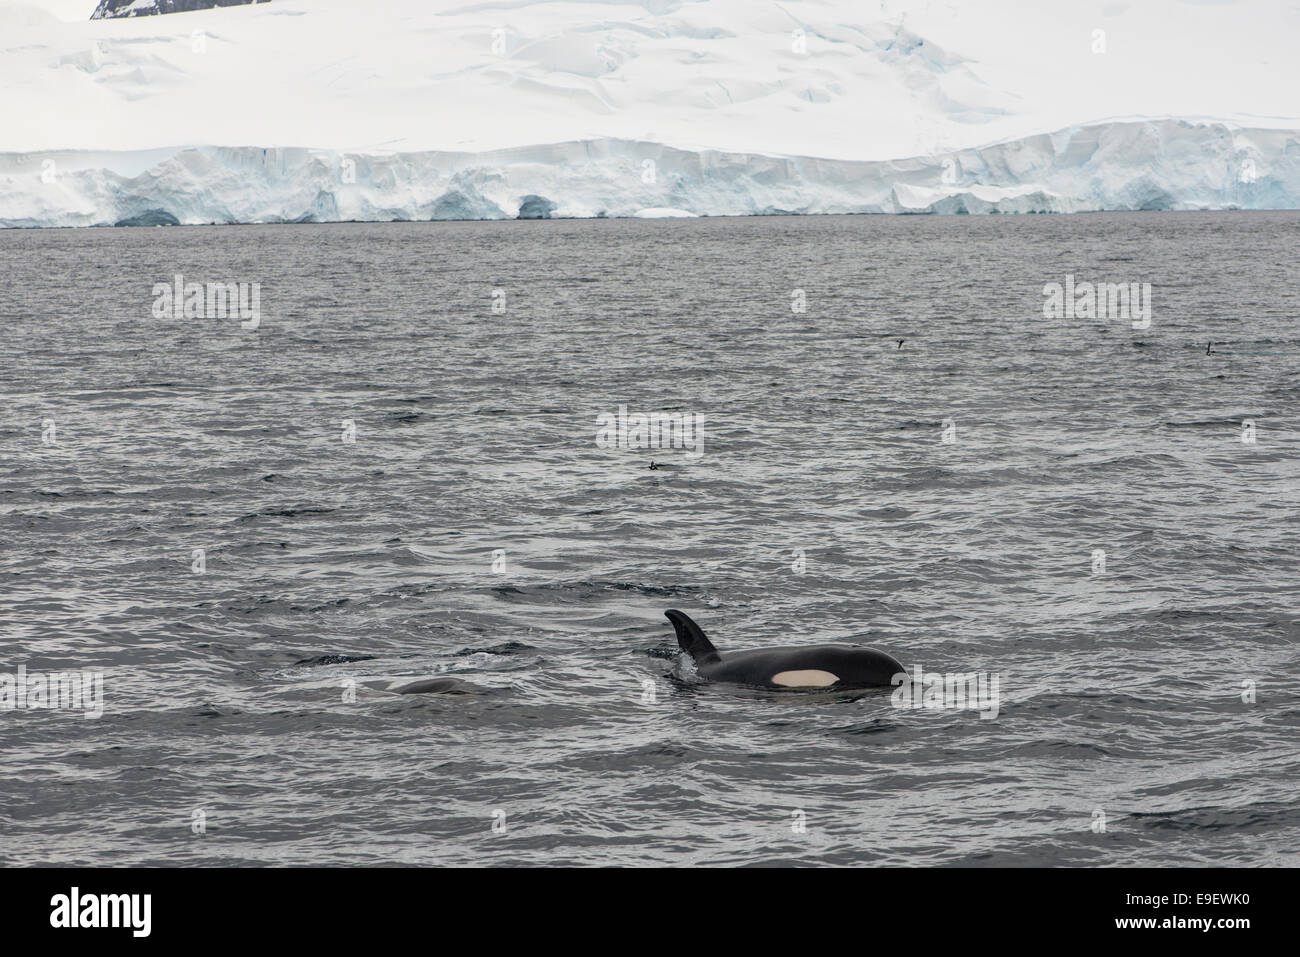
<point x="794" y="666"/>
<point x="438" y="686"/>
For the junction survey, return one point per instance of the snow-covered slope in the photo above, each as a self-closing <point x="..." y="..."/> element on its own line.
<point x="395" y="81"/>
<point x="1142" y="165"/>
<point x="847" y="79"/>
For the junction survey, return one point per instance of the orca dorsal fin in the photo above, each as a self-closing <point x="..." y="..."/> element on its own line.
<point x="691" y="638"/>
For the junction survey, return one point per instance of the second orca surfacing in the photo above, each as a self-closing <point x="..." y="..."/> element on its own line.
<point x="795" y="666"/>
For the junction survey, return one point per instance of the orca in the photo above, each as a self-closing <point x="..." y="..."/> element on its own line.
<point x="794" y="666"/>
<point x="438" y="686"/>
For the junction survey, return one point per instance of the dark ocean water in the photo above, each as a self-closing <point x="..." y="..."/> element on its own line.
<point x="329" y="561"/>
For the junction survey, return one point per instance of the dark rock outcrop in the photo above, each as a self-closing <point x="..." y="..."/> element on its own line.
<point x="112" y="9"/>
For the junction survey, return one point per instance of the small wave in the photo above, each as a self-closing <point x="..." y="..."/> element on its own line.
<point x="332" y="660"/>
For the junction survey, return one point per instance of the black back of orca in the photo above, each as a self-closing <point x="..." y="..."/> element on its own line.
<point x="796" y="666"/>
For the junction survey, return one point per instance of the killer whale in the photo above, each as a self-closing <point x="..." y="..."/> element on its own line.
<point x="438" y="686"/>
<point x="795" y="666"/>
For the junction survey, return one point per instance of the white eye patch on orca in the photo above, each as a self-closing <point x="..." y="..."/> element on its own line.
<point x="804" y="679"/>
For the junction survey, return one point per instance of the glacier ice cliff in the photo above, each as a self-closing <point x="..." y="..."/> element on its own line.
<point x="1131" y="165"/>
